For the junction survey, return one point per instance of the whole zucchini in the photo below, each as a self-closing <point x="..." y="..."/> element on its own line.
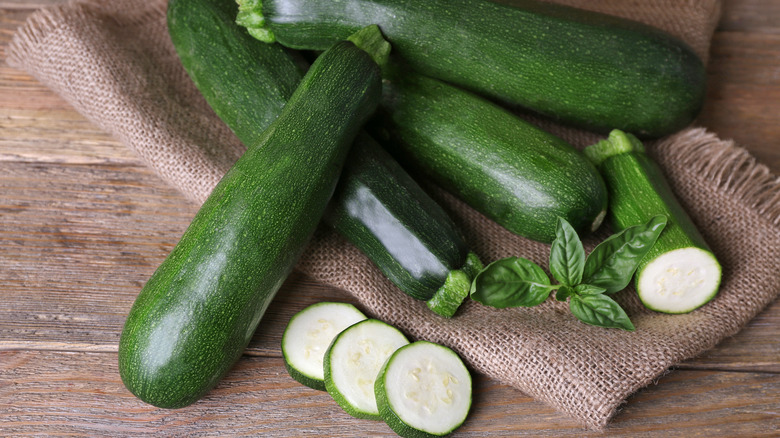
<point x="247" y="83"/>
<point x="520" y="176"/>
<point x="217" y="54"/>
<point x="196" y="314"/>
<point x="587" y="69"/>
<point x="387" y="215"/>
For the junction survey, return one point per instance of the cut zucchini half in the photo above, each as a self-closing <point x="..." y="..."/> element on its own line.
<point x="309" y="334"/>
<point x="423" y="390"/>
<point x="353" y="361"/>
<point x="680" y="272"/>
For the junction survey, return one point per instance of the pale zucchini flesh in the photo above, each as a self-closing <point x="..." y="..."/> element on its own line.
<point x="679" y="281"/>
<point x="309" y="334"/>
<point x="423" y="390"/>
<point x="352" y="363"/>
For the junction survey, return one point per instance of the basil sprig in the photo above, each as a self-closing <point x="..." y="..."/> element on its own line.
<point x="586" y="282"/>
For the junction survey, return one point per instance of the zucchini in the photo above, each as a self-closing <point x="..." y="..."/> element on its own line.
<point x="353" y="361"/>
<point x="511" y="171"/>
<point x="680" y="273"/>
<point x="381" y="210"/>
<point x="217" y="54"/>
<point x="579" y="67"/>
<point x="196" y="314"/>
<point x="309" y="334"/>
<point x="248" y="83"/>
<point x="423" y="390"/>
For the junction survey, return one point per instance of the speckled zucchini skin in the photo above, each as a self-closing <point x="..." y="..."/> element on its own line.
<point x="511" y="171"/>
<point x="386" y="214"/>
<point x="587" y="69"/>
<point x="196" y="314"/>
<point x="217" y="54"/>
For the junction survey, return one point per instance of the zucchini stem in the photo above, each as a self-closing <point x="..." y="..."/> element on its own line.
<point x="448" y="298"/>
<point x="371" y="41"/>
<point x="250" y="15"/>
<point x="618" y="142"/>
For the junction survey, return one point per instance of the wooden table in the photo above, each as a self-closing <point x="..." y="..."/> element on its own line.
<point x="83" y="224"/>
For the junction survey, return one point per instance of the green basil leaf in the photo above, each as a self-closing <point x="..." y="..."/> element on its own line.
<point x="612" y="263"/>
<point x="511" y="282"/>
<point x="600" y="310"/>
<point x="564" y="292"/>
<point x="588" y="289"/>
<point x="567" y="256"/>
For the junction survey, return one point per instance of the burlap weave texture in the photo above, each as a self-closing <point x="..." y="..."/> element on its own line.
<point x="113" y="61"/>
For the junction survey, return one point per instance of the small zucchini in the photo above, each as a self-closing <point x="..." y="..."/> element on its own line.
<point x="211" y="47"/>
<point x="248" y="83"/>
<point x="196" y="314"/>
<point x="584" y="68"/>
<point x="387" y="215"/>
<point x="511" y="171"/>
<point x="680" y="273"/>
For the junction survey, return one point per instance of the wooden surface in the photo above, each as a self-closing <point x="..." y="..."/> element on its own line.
<point x="83" y="224"/>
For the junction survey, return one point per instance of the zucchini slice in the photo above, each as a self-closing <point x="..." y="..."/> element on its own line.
<point x="680" y="273"/>
<point x="423" y="390"/>
<point x="309" y="334"/>
<point x="353" y="361"/>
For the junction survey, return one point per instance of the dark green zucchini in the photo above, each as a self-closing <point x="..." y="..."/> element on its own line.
<point x="200" y="31"/>
<point x="246" y="82"/>
<point x="591" y="70"/>
<point x="196" y="314"/>
<point x="513" y="172"/>
<point x="381" y="210"/>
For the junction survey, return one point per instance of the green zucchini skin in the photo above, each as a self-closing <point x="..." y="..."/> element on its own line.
<point x="256" y="88"/>
<point x="198" y="311"/>
<point x="511" y="171"/>
<point x="386" y="214"/>
<point x="205" y="30"/>
<point x="583" y="68"/>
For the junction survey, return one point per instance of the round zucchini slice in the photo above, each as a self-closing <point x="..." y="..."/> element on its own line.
<point x="309" y="334"/>
<point x="423" y="390"/>
<point x="353" y="361"/>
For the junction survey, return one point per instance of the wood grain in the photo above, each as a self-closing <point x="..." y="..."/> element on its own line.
<point x="83" y="223"/>
<point x="65" y="392"/>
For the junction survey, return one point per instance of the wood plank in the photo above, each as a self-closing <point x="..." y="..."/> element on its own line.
<point x="743" y="100"/>
<point x="57" y="136"/>
<point x="754" y="16"/>
<point x="77" y="243"/>
<point x="68" y="393"/>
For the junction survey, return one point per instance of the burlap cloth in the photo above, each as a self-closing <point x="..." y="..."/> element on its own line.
<point x="114" y="63"/>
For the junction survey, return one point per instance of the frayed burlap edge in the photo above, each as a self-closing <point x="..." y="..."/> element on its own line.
<point x="730" y="167"/>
